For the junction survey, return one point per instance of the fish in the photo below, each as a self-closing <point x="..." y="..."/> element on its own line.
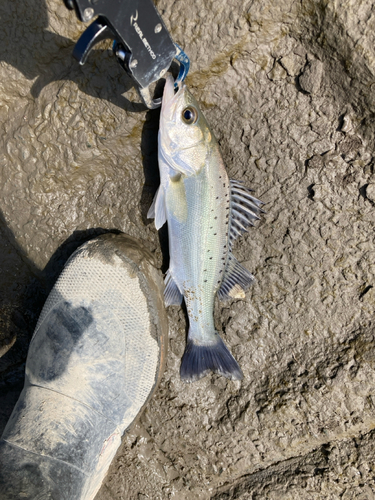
<point x="206" y="212"/>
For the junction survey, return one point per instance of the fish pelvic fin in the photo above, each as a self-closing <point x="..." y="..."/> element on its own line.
<point x="199" y="360"/>
<point x="172" y="295"/>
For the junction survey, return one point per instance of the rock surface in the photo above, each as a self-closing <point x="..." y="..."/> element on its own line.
<point x="288" y="88"/>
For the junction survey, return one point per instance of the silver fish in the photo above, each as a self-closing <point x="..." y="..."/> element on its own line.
<point x="205" y="212"/>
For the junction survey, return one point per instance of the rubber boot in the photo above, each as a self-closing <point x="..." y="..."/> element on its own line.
<point x="94" y="361"/>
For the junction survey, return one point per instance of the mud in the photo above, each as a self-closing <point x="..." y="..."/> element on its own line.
<point x="288" y="89"/>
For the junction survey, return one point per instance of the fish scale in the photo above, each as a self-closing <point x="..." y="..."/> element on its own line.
<point x="205" y="212"/>
<point x="199" y="243"/>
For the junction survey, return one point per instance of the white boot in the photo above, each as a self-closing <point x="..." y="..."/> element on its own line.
<point x="94" y="361"/>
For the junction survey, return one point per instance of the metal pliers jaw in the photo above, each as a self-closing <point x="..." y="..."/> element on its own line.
<point x="142" y="44"/>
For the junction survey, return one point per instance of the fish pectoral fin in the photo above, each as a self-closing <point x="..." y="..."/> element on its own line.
<point x="172" y="295"/>
<point x="157" y="209"/>
<point x="245" y="209"/>
<point x="236" y="280"/>
<point x="151" y="210"/>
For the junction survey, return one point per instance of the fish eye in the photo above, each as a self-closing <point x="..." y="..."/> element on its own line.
<point x="189" y="115"/>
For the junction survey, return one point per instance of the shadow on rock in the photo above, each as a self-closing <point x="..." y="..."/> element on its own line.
<point x="21" y="299"/>
<point x="149" y="149"/>
<point x="27" y="45"/>
<point x="21" y="293"/>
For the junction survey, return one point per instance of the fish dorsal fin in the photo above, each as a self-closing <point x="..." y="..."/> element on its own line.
<point x="157" y="209"/>
<point x="236" y="280"/>
<point x="172" y="295"/>
<point x="244" y="210"/>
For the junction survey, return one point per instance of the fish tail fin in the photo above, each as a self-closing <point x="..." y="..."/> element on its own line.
<point x="198" y="360"/>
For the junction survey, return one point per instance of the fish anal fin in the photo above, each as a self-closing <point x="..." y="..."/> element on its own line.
<point x="172" y="295"/>
<point x="236" y="280"/>
<point x="157" y="209"/>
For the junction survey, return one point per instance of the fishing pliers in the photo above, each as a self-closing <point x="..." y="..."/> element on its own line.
<point x="142" y="44"/>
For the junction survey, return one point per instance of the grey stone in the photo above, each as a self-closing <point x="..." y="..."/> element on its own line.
<point x="370" y="192"/>
<point x="277" y="72"/>
<point x="76" y="157"/>
<point x="311" y="77"/>
<point x="293" y="63"/>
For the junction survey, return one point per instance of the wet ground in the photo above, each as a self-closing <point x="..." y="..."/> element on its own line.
<point x="288" y="89"/>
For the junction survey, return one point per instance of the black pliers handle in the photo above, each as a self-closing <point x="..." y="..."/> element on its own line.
<point x="142" y="43"/>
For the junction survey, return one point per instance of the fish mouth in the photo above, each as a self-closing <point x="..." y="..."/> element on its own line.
<point x="170" y="96"/>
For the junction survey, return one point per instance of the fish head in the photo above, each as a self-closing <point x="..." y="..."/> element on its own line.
<point x="185" y="138"/>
